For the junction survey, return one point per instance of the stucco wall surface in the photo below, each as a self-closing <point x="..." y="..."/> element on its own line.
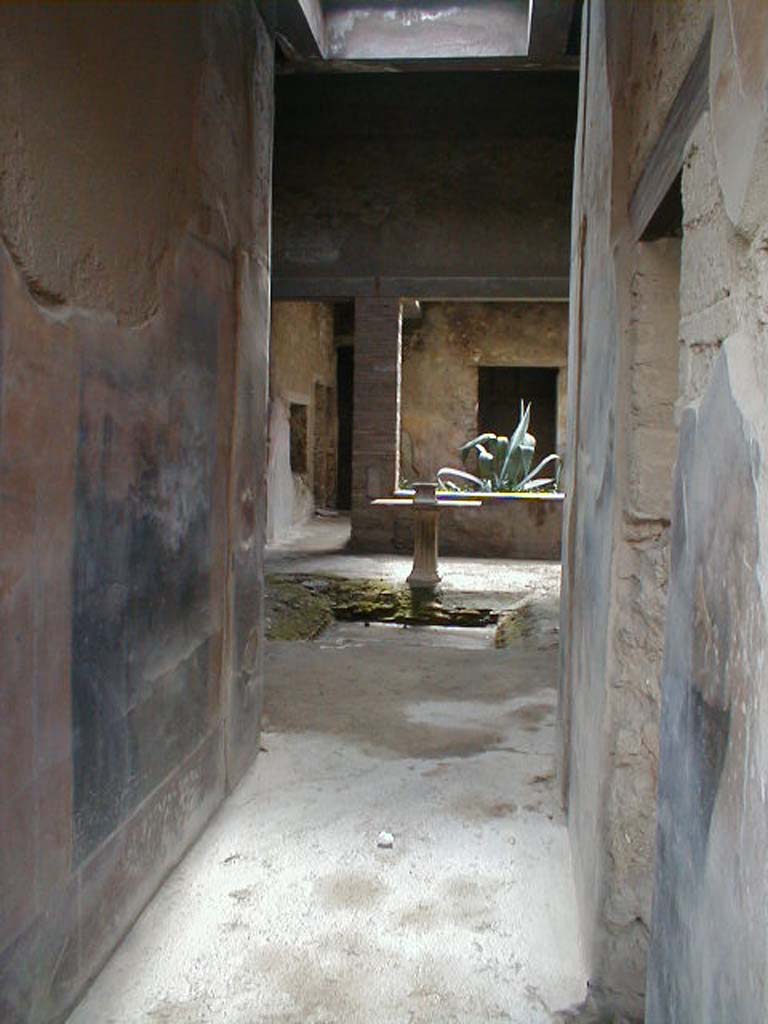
<point x="135" y="155"/>
<point x="622" y="441"/>
<point x="710" y="927"/>
<point x="441" y="356"/>
<point x="709" y="946"/>
<point x="651" y="47"/>
<point x="589" y="543"/>
<point x="675" y="695"/>
<point x="302" y="354"/>
<point x="646" y="446"/>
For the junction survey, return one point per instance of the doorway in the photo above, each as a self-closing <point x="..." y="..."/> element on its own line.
<point x="500" y="389"/>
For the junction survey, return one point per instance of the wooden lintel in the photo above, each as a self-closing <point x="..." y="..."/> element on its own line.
<point x="532" y="289"/>
<point x="301" y="27"/>
<point x="550" y="28"/>
<point x="337" y="289"/>
<point x="666" y="158"/>
<point x="314" y="66"/>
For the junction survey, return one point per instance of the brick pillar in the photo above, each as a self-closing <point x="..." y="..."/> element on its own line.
<point x="376" y="428"/>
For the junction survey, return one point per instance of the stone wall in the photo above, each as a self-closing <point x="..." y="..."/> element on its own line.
<point x="590" y="486"/>
<point x="522" y="528"/>
<point x="651" y="48"/>
<point x="441" y="356"/>
<point x="646" y="446"/>
<point x="135" y="156"/>
<point x="710" y="923"/>
<point x="664" y="574"/>
<point x="302" y="370"/>
<point x="376" y="425"/>
<point x="623" y="386"/>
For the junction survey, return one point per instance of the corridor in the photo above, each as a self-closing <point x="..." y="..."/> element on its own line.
<point x="287" y="909"/>
<point x="480" y="281"/>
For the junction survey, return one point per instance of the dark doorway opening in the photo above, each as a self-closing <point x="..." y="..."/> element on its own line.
<point x="298" y="437"/>
<point x="667" y="221"/>
<point x="324" y="454"/>
<point x="499" y="391"/>
<point x="344" y="393"/>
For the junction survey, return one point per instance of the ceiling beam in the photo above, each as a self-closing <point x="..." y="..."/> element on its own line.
<point x="306" y="65"/>
<point x="550" y="27"/>
<point x="531" y="289"/>
<point x="301" y="27"/>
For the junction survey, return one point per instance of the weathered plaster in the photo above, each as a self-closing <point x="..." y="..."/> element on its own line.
<point x="135" y="161"/>
<point x="710" y="927"/>
<point x="588" y="556"/>
<point x="651" y="46"/>
<point x="707" y="937"/>
<point x="738" y="80"/>
<point x="89" y="223"/>
<point x="708" y="308"/>
<point x="624" y="355"/>
<point x="646" y="445"/>
<point x="441" y="356"/>
<point x="302" y="354"/>
<point x="708" y="943"/>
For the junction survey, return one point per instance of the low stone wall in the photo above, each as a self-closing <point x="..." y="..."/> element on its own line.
<point x="501" y="527"/>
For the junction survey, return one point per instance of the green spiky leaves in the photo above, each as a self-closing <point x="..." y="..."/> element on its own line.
<point x="501" y="464"/>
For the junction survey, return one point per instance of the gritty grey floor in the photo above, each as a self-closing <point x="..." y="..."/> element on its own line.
<point x="287" y="912"/>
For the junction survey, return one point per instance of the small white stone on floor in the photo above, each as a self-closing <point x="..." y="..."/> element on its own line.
<point x="385" y="841"/>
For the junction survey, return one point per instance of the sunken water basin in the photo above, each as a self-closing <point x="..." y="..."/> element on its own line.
<point x="301" y="606"/>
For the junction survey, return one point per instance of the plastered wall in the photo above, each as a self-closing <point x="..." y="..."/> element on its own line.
<point x="709" y="943"/>
<point x="135" y="156"/>
<point x="663" y="672"/>
<point x="590" y="486"/>
<point x="646" y="446"/>
<point x="302" y="356"/>
<point x="441" y="356"/>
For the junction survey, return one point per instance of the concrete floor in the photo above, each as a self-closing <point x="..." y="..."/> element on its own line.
<point x="320" y="547"/>
<point x="286" y="911"/>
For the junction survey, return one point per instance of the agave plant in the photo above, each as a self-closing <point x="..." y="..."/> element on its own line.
<point x="501" y="463"/>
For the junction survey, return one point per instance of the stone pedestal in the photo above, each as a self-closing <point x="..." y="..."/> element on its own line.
<point x="424" y="574"/>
